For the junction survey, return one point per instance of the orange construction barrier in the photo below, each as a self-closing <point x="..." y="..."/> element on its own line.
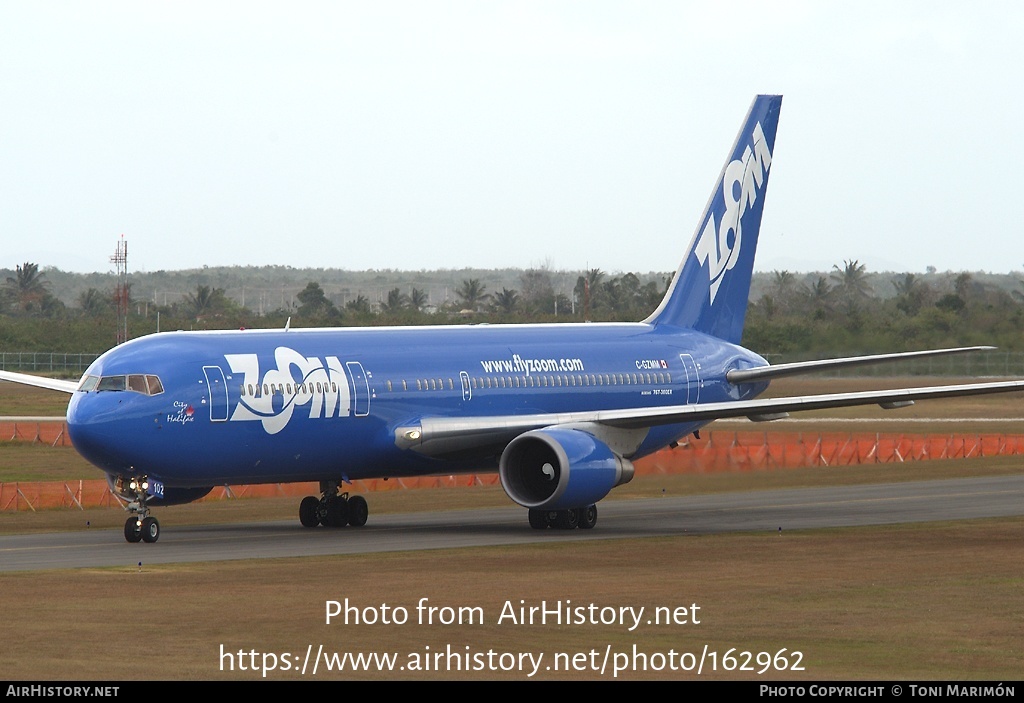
<point x="745" y="451"/>
<point x="714" y="451"/>
<point x="37" y="431"/>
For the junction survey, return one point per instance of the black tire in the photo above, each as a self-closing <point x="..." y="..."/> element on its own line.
<point x="538" y="519"/>
<point x="568" y="519"/>
<point x="132" y="531"/>
<point x="588" y="517"/>
<point x="309" y="514"/>
<point x="150" y="530"/>
<point x="337" y="513"/>
<point x="358" y="511"/>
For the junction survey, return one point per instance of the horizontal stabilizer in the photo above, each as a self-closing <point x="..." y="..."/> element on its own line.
<point x="762" y="373"/>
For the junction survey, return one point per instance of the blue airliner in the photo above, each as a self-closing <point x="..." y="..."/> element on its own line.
<point x="560" y="410"/>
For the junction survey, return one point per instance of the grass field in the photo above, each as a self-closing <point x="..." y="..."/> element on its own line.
<point x="26" y="400"/>
<point x="934" y="601"/>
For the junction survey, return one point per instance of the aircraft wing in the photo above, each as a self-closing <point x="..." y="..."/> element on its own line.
<point x="52" y="384"/>
<point x="440" y="436"/>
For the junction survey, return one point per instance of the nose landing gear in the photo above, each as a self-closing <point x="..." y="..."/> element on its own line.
<point x="141" y="526"/>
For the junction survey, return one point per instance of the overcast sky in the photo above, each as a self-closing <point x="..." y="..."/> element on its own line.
<point x="423" y="135"/>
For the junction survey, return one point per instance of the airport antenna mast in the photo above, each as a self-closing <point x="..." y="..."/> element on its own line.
<point x="120" y="260"/>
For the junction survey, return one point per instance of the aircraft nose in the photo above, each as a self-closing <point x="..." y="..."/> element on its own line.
<point x="94" y="432"/>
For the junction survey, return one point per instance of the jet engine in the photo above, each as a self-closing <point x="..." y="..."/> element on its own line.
<point x="558" y="469"/>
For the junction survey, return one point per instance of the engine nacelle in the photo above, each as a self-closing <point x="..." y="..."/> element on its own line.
<point x="155" y="491"/>
<point x="557" y="469"/>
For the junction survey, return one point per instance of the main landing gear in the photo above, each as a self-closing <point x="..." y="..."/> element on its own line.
<point x="583" y="518"/>
<point x="333" y="509"/>
<point x="141" y="526"/>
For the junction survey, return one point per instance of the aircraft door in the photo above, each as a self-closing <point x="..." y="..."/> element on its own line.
<point x="217" y="388"/>
<point x="692" y="378"/>
<point x="360" y="388"/>
<point x="467" y="388"/>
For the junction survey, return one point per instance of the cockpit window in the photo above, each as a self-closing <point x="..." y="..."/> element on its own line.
<point x="111" y="383"/>
<point x="138" y="383"/>
<point x="155" y="386"/>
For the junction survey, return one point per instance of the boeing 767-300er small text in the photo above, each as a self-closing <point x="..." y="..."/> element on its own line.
<point x="559" y="410"/>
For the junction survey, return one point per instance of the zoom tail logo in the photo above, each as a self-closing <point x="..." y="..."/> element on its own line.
<point x="710" y="289"/>
<point x="719" y="242"/>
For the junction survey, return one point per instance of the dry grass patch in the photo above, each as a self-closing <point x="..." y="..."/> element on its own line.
<point x="16" y="399"/>
<point x="914" y="602"/>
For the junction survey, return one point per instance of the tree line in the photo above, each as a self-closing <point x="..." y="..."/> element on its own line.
<point x="839" y="311"/>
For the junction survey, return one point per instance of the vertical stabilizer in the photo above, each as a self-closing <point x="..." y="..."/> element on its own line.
<point x="709" y="291"/>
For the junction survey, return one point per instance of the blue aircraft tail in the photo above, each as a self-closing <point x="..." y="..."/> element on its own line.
<point x="710" y="289"/>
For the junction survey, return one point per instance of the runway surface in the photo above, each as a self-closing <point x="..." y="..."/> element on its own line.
<point x="790" y="509"/>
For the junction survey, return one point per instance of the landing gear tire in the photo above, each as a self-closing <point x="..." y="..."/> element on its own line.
<point x="568" y="519"/>
<point x="308" y="515"/>
<point x="333" y="509"/>
<point x="140" y="527"/>
<point x="337" y="512"/>
<point x="150" y="530"/>
<point x="358" y="511"/>
<point x="132" y="530"/>
<point x="538" y="519"/>
<point x="588" y="517"/>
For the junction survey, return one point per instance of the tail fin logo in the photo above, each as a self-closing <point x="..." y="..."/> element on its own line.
<point x="719" y="243"/>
